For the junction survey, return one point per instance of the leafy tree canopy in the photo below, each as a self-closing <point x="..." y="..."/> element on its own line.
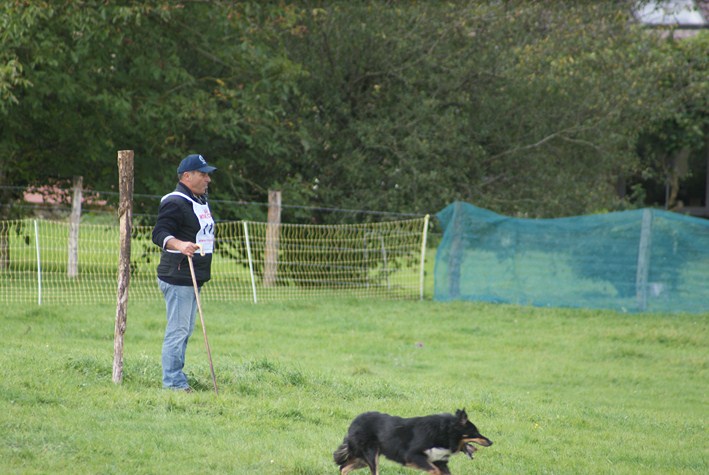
<point x="521" y="107"/>
<point x="85" y="79"/>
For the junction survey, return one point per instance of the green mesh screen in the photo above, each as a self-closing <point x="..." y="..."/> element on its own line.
<point x="640" y="260"/>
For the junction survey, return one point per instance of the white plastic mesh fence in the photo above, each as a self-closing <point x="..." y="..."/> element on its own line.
<point x="253" y="261"/>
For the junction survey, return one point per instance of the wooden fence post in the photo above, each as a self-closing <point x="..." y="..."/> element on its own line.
<point x="125" y="216"/>
<point x="72" y="268"/>
<point x="4" y="245"/>
<point x="6" y="197"/>
<point x="270" y="265"/>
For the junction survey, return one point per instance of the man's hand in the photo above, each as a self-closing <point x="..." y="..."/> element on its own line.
<point x="185" y="247"/>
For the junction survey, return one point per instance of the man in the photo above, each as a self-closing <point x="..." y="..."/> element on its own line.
<point x="184" y="226"/>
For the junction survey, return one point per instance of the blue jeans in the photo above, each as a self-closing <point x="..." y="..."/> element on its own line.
<point x="181" y="307"/>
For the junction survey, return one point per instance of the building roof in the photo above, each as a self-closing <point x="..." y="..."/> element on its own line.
<point x="683" y="14"/>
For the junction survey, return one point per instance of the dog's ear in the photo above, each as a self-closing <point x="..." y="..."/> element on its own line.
<point x="462" y="416"/>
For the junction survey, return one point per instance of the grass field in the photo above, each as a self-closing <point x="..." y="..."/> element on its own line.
<point x="558" y="391"/>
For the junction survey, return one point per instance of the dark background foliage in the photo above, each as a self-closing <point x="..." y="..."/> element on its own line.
<point x="529" y="108"/>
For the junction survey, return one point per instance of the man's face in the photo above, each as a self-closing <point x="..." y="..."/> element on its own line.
<point x="196" y="181"/>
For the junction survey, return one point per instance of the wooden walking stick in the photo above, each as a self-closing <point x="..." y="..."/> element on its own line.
<point x="201" y="318"/>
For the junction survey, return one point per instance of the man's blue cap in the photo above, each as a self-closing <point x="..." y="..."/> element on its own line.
<point x="194" y="162"/>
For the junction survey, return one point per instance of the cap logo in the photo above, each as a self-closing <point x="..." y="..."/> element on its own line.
<point x="204" y="162"/>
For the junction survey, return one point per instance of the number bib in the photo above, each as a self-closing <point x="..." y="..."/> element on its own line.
<point x="205" y="236"/>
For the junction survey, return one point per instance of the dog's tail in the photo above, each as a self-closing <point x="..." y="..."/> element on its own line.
<point x="342" y="454"/>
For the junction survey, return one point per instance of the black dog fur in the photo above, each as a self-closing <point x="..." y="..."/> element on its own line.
<point x="425" y="443"/>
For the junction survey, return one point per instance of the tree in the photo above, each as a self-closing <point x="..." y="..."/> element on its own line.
<point x="515" y="106"/>
<point x="394" y="106"/>
<point x="84" y="79"/>
<point x="674" y="150"/>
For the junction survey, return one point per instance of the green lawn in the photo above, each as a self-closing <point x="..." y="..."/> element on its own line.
<point x="558" y="391"/>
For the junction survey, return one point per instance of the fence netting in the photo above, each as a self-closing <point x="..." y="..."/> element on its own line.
<point x="253" y="261"/>
<point x="631" y="261"/>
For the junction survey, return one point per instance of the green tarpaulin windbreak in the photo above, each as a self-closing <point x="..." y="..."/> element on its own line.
<point x="644" y="260"/>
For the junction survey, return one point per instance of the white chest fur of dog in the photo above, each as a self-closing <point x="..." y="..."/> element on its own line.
<point x="438" y="454"/>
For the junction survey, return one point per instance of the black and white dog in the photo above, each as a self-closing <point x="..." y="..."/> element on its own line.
<point x="425" y="443"/>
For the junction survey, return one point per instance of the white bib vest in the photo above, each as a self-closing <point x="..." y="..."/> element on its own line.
<point x="205" y="236"/>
